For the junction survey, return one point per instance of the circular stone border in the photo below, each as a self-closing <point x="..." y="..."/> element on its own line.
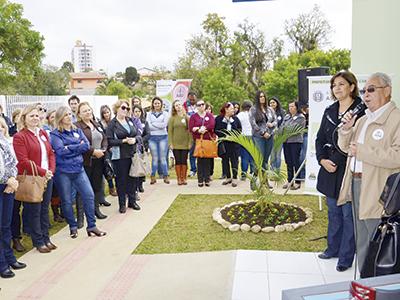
<point x="217" y="217"/>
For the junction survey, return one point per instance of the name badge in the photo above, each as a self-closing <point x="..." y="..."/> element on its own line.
<point x="206" y="118"/>
<point x="43" y="138"/>
<point x="76" y="135"/>
<point x="100" y="129"/>
<point x="295" y="117"/>
<point x="279" y="118"/>
<point x="183" y="121"/>
<point x="130" y="123"/>
<point x="378" y="134"/>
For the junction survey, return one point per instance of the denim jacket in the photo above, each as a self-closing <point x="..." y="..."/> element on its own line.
<point x="69" y="147"/>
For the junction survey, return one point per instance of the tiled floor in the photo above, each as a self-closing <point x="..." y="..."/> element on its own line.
<point x="264" y="274"/>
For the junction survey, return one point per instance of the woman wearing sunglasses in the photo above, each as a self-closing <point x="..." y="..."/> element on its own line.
<point x="122" y="135"/>
<point x="201" y="124"/>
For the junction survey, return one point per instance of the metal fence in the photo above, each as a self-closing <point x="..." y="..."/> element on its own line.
<point x="10" y="103"/>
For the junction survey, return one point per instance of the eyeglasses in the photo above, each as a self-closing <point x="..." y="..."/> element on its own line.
<point x="125" y="108"/>
<point x="42" y="109"/>
<point x="371" y="89"/>
<point x="200" y="104"/>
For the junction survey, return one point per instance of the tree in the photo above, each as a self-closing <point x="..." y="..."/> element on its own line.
<point x="114" y="88"/>
<point x="131" y="76"/>
<point x="20" y="46"/>
<point x="308" y="31"/>
<point x="67" y="65"/>
<point x="282" y="80"/>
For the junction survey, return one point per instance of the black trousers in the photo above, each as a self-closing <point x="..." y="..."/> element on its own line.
<point x="95" y="175"/>
<point x="230" y="161"/>
<point x="126" y="185"/>
<point x="291" y="152"/>
<point x="180" y="156"/>
<point x="204" y="169"/>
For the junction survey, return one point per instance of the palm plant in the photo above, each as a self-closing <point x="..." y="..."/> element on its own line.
<point x="259" y="180"/>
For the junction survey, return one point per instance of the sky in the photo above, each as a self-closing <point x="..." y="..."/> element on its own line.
<point x="148" y="33"/>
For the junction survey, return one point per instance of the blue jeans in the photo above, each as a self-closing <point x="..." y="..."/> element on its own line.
<point x="303" y="154"/>
<point x="341" y="241"/>
<point x="158" y="145"/>
<point x="39" y="218"/>
<point x="6" y="210"/>
<point x="245" y="161"/>
<point x="276" y="159"/>
<point x="65" y="182"/>
<point x="192" y="159"/>
<point x="265" y="147"/>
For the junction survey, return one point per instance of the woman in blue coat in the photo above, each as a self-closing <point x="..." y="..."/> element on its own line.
<point x="69" y="143"/>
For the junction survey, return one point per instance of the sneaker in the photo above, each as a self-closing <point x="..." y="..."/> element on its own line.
<point x="192" y="174"/>
<point x="295" y="186"/>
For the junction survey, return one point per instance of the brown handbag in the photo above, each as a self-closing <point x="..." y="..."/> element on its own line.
<point x="206" y="148"/>
<point x="31" y="187"/>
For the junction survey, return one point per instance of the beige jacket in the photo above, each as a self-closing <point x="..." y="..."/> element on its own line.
<point x="380" y="155"/>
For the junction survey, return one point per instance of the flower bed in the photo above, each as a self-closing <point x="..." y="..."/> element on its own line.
<point x="275" y="217"/>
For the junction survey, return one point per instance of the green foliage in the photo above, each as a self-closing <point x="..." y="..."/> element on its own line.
<point x="282" y="80"/>
<point x="131" y="76"/>
<point x="67" y="65"/>
<point x="20" y="46"/>
<point x="115" y="88"/>
<point x="218" y="86"/>
<point x="261" y="191"/>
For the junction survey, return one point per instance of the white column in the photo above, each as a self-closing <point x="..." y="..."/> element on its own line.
<point x="376" y="39"/>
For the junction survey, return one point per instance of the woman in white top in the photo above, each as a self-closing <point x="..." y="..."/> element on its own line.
<point x="245" y="157"/>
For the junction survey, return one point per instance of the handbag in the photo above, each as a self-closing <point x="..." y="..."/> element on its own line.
<point x="206" y="148"/>
<point x="140" y="165"/>
<point x="391" y="194"/>
<point x="31" y="187"/>
<point x="383" y="251"/>
<point x="108" y="170"/>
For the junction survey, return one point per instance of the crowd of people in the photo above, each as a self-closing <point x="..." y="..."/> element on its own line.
<point x="71" y="149"/>
<point x="74" y="151"/>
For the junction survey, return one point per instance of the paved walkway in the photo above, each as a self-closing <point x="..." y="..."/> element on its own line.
<point x="103" y="268"/>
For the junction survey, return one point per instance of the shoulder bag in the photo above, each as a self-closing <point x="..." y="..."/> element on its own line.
<point x="31" y="187"/>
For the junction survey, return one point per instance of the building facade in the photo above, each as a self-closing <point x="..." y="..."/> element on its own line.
<point x="82" y="57"/>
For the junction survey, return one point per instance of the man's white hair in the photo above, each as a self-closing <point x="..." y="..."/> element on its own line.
<point x="383" y="77"/>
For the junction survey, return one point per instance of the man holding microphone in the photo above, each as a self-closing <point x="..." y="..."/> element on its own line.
<point x="373" y="147"/>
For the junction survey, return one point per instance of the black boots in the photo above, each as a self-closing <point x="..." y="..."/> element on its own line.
<point x="56" y="214"/>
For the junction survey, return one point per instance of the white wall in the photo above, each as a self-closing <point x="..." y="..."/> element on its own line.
<point x="376" y="39"/>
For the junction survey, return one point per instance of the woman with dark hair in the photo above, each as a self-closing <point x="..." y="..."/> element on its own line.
<point x="226" y="122"/>
<point x="8" y="186"/>
<point x="292" y="146"/>
<point x="122" y="136"/>
<point x="33" y="149"/>
<point x="158" y="141"/>
<point x="236" y="106"/>
<point x="263" y="123"/>
<point x="69" y="144"/>
<point x="93" y="159"/>
<point x="341" y="242"/>
<point x="140" y="115"/>
<point x="105" y="119"/>
<point x="275" y="104"/>
<point x="179" y="139"/>
<point x="245" y="157"/>
<point x="201" y="125"/>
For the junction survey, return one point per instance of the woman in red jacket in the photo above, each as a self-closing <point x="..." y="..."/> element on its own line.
<point x="31" y="144"/>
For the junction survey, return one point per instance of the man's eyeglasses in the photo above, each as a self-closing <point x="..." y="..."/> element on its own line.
<point x="125" y="108"/>
<point x="371" y="89"/>
<point x="200" y="104"/>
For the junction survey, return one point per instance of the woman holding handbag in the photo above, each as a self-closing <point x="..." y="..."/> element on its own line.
<point x="179" y="140"/>
<point x="93" y="160"/>
<point x="69" y="144"/>
<point x="122" y="135"/>
<point x="201" y="125"/>
<point x="8" y="186"/>
<point x="226" y="122"/>
<point x="34" y="153"/>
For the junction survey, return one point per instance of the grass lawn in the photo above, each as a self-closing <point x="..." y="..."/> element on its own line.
<point x="187" y="226"/>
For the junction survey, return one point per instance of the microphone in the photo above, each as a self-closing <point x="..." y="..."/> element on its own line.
<point x="358" y="109"/>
